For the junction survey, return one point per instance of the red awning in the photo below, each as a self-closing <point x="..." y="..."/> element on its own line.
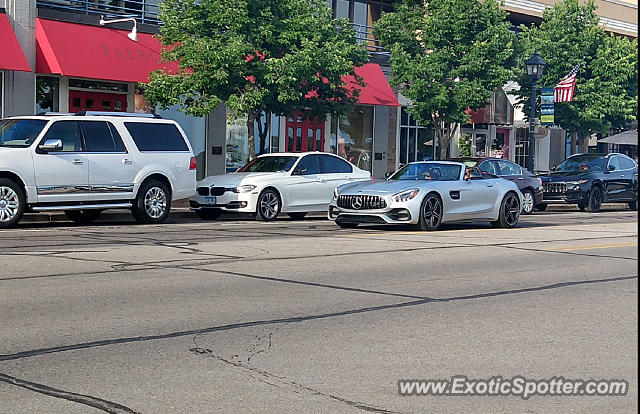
<point x="11" y="57"/>
<point x="376" y="90"/>
<point x="95" y="52"/>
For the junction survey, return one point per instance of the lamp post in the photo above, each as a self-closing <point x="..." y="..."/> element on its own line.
<point x="535" y="67"/>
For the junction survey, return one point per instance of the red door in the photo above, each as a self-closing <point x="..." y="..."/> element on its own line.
<point x="304" y="133"/>
<point x="97" y="101"/>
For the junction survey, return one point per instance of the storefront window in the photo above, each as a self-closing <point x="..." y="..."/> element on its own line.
<point x="237" y="153"/>
<point x="416" y="141"/>
<point x="47" y="94"/>
<point x="352" y="136"/>
<point x="271" y="143"/>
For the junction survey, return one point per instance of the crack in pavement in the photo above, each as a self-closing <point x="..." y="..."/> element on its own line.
<point x="104" y="405"/>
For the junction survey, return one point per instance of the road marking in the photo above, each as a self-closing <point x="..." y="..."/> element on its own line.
<point x="594" y="246"/>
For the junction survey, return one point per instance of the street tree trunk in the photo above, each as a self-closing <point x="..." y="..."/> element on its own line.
<point x="263" y="131"/>
<point x="251" y="119"/>
<point x="574" y="142"/>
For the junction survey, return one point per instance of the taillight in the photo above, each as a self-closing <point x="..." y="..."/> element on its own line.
<point x="193" y="164"/>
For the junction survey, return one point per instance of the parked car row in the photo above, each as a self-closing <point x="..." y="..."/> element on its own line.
<point x="86" y="163"/>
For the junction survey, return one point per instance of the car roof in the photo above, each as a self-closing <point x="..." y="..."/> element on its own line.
<point x="296" y="154"/>
<point x="72" y="117"/>
<point x="477" y="159"/>
<point x="436" y="162"/>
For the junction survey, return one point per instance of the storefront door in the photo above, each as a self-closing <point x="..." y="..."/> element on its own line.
<point x="97" y="101"/>
<point x="304" y="133"/>
<point x="500" y="145"/>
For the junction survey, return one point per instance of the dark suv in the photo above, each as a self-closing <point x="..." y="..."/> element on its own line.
<point x="530" y="186"/>
<point x="589" y="180"/>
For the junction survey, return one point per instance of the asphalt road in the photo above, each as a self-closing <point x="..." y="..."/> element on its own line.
<point x="237" y="316"/>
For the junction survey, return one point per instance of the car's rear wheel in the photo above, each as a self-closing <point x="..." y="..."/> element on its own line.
<point x="153" y="203"/>
<point x="509" y="214"/>
<point x="296" y="216"/>
<point x="82" y="216"/>
<point x="528" y="202"/>
<point x="430" y="213"/>
<point x="209" y="213"/>
<point x="268" y="206"/>
<point x="12" y="203"/>
<point x="541" y="206"/>
<point x="595" y="200"/>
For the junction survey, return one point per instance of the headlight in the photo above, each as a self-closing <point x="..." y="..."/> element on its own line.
<point x="577" y="182"/>
<point x="405" y="195"/>
<point x="244" y="188"/>
<point x="335" y="193"/>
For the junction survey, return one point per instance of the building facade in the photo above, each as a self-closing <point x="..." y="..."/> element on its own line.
<point x="57" y="57"/>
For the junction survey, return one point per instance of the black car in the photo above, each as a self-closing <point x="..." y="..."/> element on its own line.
<point x="528" y="183"/>
<point x="589" y="180"/>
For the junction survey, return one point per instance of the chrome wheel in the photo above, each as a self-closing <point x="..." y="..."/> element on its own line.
<point x="9" y="204"/>
<point x="511" y="210"/>
<point x="527" y="205"/>
<point x="155" y="202"/>
<point x="269" y="205"/>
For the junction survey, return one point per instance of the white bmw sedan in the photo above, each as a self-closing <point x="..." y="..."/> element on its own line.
<point x="291" y="183"/>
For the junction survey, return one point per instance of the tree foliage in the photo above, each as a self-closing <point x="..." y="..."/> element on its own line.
<point x="447" y="56"/>
<point x="606" y="89"/>
<point x="256" y="56"/>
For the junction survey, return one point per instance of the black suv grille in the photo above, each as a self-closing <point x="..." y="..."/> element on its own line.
<point x="361" y="202"/>
<point x="555" y="188"/>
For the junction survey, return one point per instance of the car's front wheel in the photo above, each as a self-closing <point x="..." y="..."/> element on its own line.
<point x="268" y="206"/>
<point x="209" y="213"/>
<point x="509" y="214"/>
<point x="153" y="203"/>
<point x="430" y="213"/>
<point x="82" y="216"/>
<point x="528" y="202"/>
<point x="595" y="200"/>
<point x="12" y="203"/>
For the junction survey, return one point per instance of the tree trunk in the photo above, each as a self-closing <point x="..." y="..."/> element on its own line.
<point x="574" y="141"/>
<point x="583" y="144"/>
<point x="251" y="120"/>
<point x="264" y="132"/>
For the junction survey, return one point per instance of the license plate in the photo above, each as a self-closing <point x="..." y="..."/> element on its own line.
<point x="210" y="200"/>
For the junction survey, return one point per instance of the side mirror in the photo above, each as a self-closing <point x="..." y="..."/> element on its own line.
<point x="611" y="167"/>
<point x="388" y="174"/>
<point x="51" y="145"/>
<point x="553" y="167"/>
<point x="299" y="171"/>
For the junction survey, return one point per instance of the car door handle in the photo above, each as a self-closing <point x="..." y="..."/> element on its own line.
<point x="520" y="178"/>
<point x="322" y="180"/>
<point x="126" y="161"/>
<point x="489" y="185"/>
<point x="77" y="162"/>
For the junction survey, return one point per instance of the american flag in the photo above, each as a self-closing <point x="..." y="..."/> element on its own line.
<point x="564" y="90"/>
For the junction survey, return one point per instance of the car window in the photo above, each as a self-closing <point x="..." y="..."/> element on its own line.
<point x="626" y="163"/>
<point x="156" y="137"/>
<point x="269" y="164"/>
<point x="508" y="168"/>
<point x="331" y="165"/>
<point x="20" y="132"/>
<point x="68" y="132"/>
<point x="615" y="163"/>
<point x="489" y="167"/>
<point x="583" y="162"/>
<point x="428" y="171"/>
<point x="100" y="136"/>
<point x="308" y="165"/>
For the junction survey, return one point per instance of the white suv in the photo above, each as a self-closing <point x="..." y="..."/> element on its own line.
<point x="89" y="162"/>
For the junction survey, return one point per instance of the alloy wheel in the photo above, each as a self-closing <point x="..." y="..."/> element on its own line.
<point x="155" y="202"/>
<point x="432" y="212"/>
<point x="596" y="200"/>
<point x="269" y="205"/>
<point x="511" y="210"/>
<point x="527" y="205"/>
<point x="9" y="204"/>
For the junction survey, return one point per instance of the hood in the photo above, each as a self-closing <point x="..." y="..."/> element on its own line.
<point x="565" y="176"/>
<point x="238" y="178"/>
<point x="379" y="187"/>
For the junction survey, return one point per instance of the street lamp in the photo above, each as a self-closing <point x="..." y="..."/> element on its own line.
<point x="535" y="67"/>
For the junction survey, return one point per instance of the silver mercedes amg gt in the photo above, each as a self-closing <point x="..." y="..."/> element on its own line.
<point x="427" y="194"/>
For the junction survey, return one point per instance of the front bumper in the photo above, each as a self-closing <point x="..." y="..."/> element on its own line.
<point x="229" y="201"/>
<point x="574" y="194"/>
<point x="396" y="213"/>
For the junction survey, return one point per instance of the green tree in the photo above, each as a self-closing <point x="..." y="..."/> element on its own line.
<point x="256" y="56"/>
<point x="447" y="56"/>
<point x="606" y="90"/>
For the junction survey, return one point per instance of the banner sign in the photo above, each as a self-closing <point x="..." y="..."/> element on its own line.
<point x="547" y="107"/>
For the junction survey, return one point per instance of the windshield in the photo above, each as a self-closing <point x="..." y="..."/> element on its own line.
<point x="20" y="133"/>
<point x="270" y="164"/>
<point x="428" y="171"/>
<point x="582" y="163"/>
